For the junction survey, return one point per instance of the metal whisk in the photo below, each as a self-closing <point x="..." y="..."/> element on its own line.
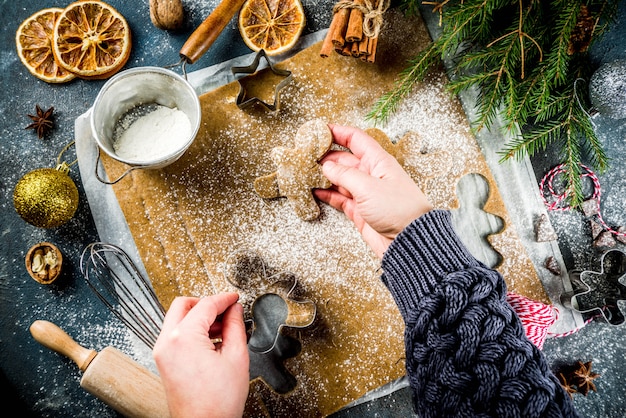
<point x="119" y="284"/>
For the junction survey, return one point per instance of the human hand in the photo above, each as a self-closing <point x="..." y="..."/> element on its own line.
<point x="203" y="379"/>
<point x="371" y="188"/>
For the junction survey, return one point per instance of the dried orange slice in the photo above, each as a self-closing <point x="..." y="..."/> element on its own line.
<point x="91" y="39"/>
<point x="272" y="25"/>
<point x="33" y="40"/>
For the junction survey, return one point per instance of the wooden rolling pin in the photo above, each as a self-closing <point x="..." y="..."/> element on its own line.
<point x="208" y="31"/>
<point x="110" y="375"/>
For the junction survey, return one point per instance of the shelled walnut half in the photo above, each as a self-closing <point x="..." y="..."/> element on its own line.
<point x="43" y="262"/>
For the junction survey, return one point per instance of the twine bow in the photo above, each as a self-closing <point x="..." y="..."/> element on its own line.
<point x="372" y="15"/>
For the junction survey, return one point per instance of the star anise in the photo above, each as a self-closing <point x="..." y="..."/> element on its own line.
<point x="583" y="377"/>
<point x="42" y="122"/>
<point x="569" y="387"/>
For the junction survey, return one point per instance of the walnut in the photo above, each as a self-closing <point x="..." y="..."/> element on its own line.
<point x="43" y="262"/>
<point x="167" y="14"/>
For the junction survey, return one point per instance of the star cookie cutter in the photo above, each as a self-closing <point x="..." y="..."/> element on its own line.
<point x="244" y="102"/>
<point x="602" y="290"/>
<point x="248" y="272"/>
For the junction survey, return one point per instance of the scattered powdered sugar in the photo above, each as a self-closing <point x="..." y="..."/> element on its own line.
<point x="333" y="266"/>
<point x="434" y="115"/>
<point x="151" y="132"/>
<point x="356" y="343"/>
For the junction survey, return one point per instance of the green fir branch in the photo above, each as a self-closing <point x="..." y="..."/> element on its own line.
<point x="469" y="19"/>
<point x="573" y="168"/>
<point x="558" y="59"/>
<point x="533" y="93"/>
<point x="532" y="140"/>
<point x="591" y="144"/>
<point x="519" y="55"/>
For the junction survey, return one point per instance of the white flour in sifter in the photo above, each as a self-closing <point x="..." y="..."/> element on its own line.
<point x="151" y="132"/>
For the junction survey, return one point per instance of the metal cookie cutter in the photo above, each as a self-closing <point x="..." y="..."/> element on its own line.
<point x="273" y="307"/>
<point x="271" y="292"/>
<point x="245" y="102"/>
<point x="601" y="291"/>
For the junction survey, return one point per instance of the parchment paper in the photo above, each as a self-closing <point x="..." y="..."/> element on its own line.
<point x="512" y="178"/>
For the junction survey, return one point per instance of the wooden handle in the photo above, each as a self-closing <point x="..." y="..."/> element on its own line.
<point x="208" y="31"/>
<point x="112" y="376"/>
<point x="125" y="385"/>
<point x="51" y="336"/>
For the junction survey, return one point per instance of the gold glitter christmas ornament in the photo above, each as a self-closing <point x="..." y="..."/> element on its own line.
<point x="46" y="197"/>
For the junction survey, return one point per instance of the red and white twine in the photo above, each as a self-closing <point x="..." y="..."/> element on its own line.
<point x="536" y="317"/>
<point x="559" y="200"/>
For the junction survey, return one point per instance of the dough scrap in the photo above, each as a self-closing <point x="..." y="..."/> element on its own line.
<point x="422" y="167"/>
<point x="298" y="170"/>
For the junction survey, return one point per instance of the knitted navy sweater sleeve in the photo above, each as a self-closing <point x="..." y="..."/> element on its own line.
<point x="467" y="354"/>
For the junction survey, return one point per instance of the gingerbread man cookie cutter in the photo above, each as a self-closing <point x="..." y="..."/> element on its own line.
<point x="601" y="290"/>
<point x="298" y="170"/>
<point x="243" y="101"/>
<point x="248" y="272"/>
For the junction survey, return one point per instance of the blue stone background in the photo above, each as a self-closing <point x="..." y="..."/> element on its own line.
<point x="38" y="382"/>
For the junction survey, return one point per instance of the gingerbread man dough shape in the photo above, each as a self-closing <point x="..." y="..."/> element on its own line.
<point x="298" y="170"/>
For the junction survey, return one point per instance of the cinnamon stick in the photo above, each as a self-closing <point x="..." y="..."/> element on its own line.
<point x="339" y="31"/>
<point x="327" y="45"/>
<point x="363" y="46"/>
<point x="354" y="31"/>
<point x="371" y="50"/>
<point x="208" y="31"/>
<point x="354" y="49"/>
<point x="345" y="51"/>
<point x="345" y="35"/>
